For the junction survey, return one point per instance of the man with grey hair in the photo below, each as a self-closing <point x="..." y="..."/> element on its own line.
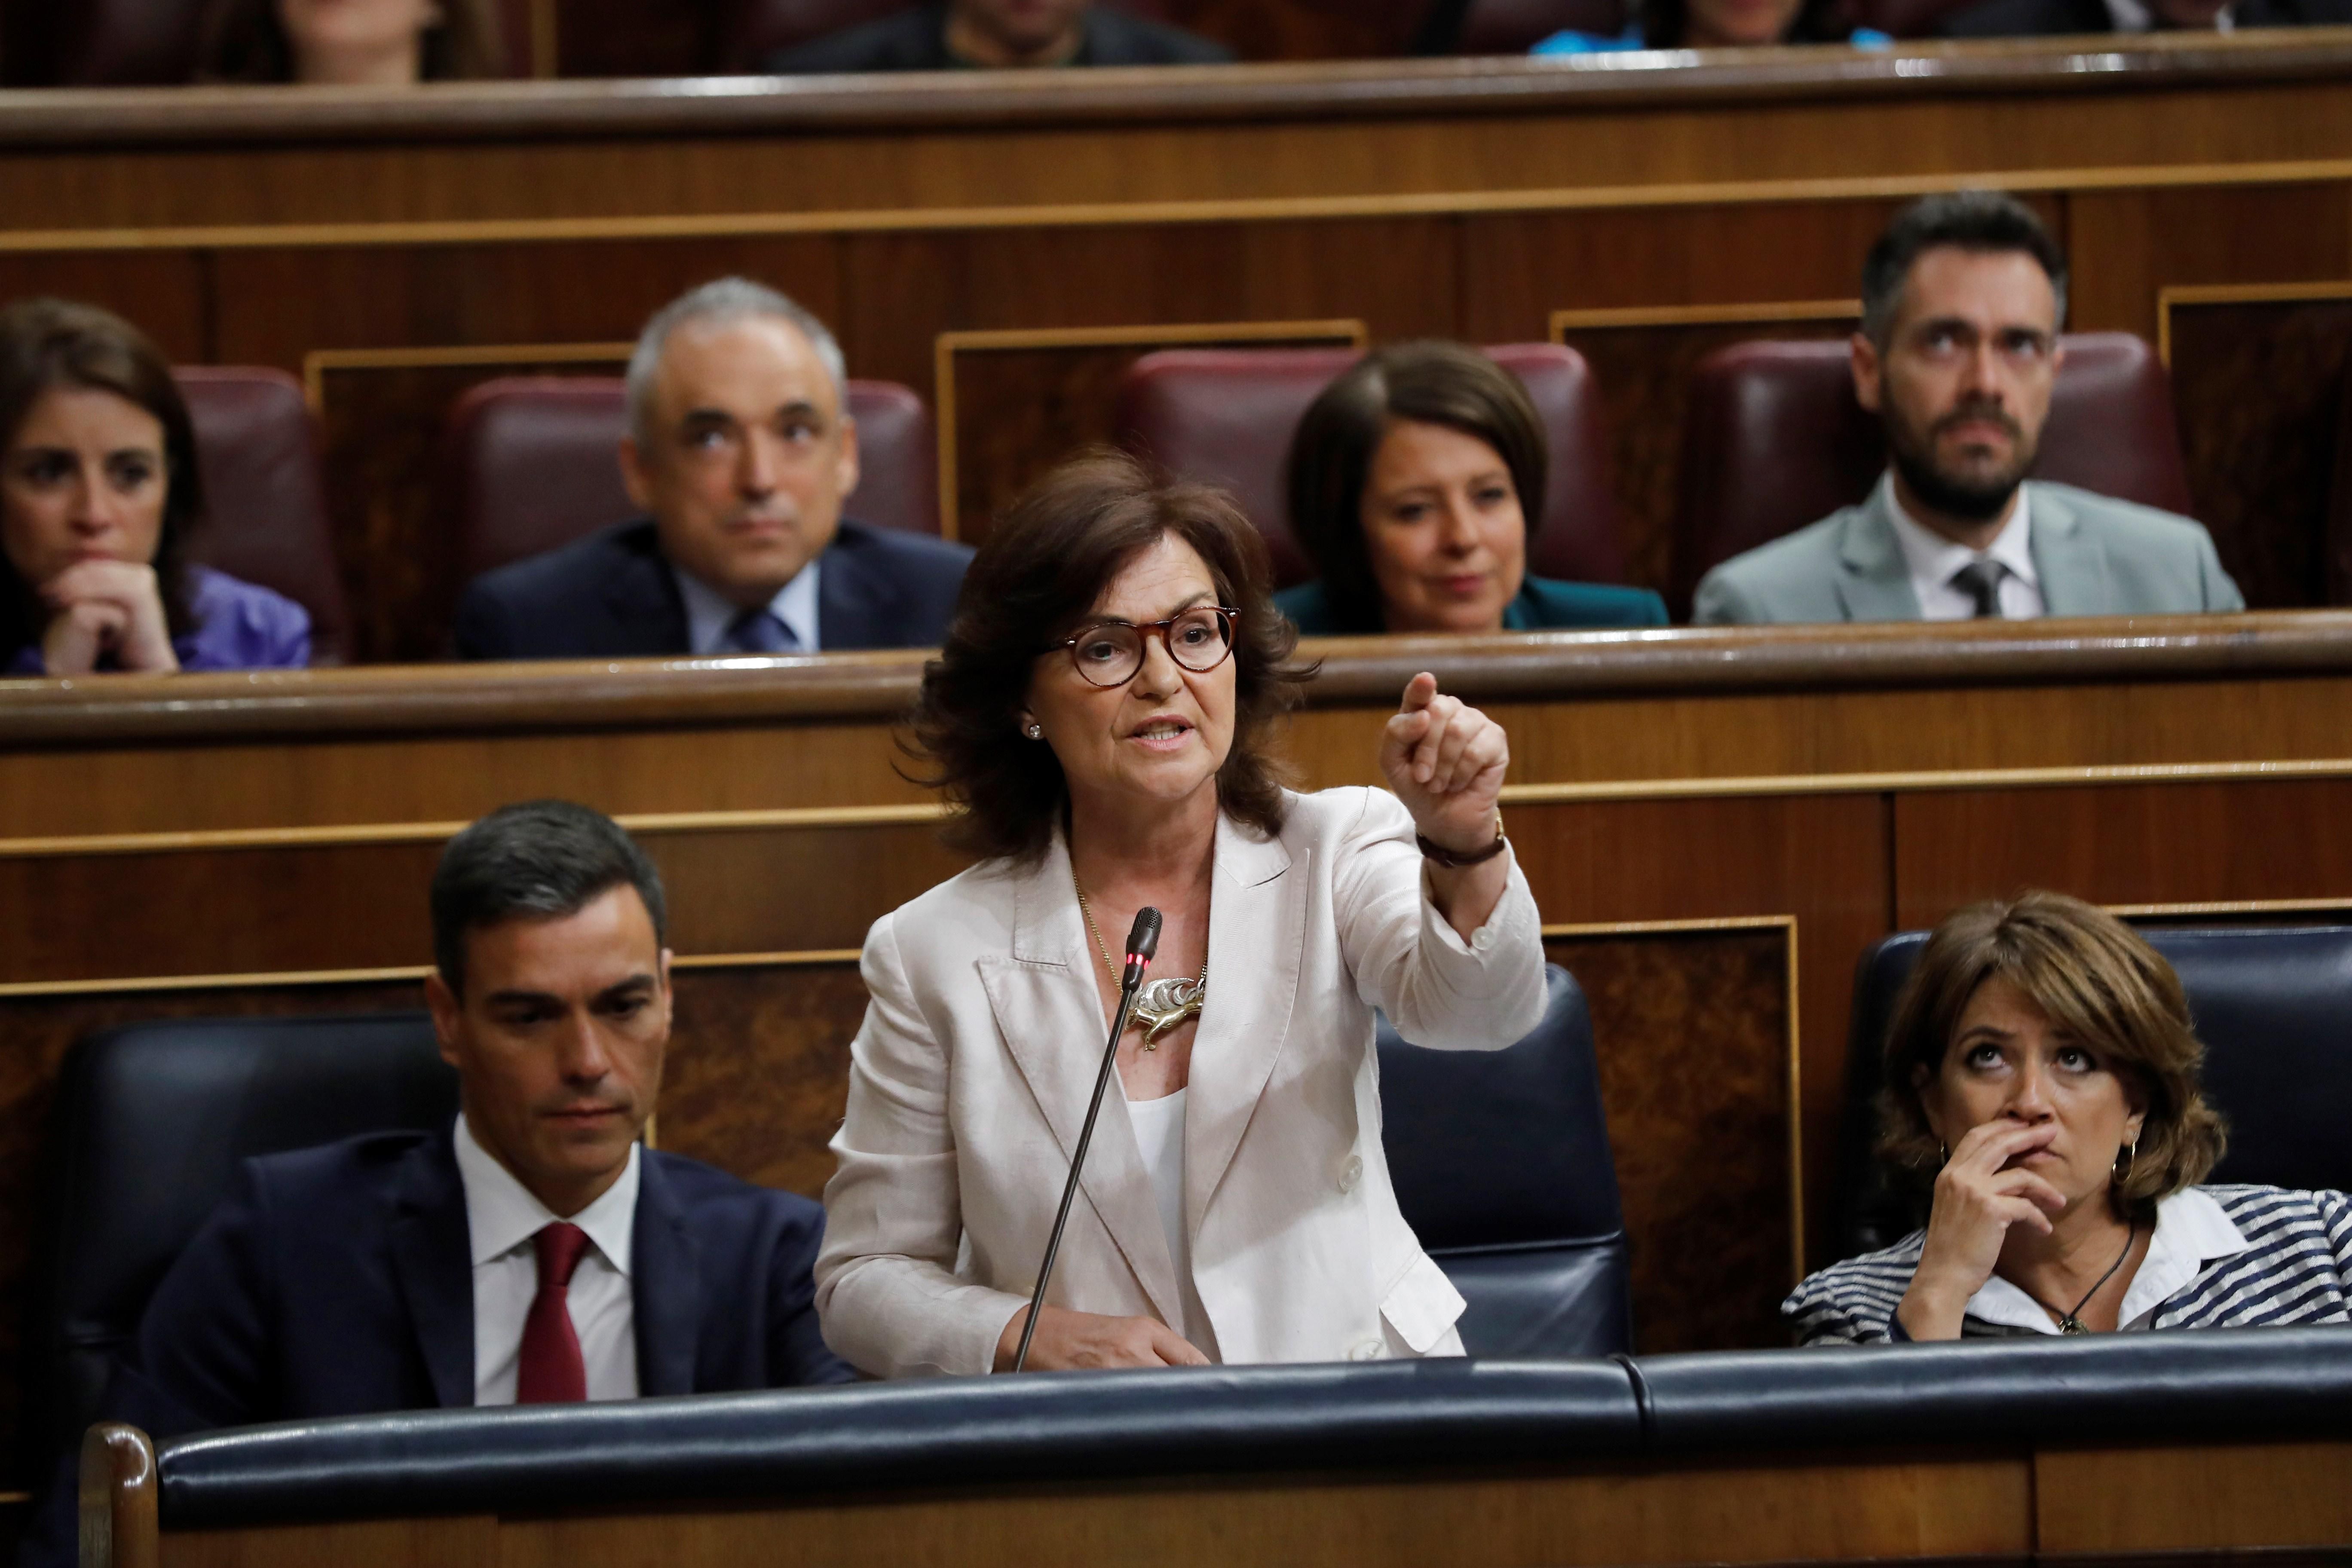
<point x="1962" y="297"/>
<point x="741" y="449"/>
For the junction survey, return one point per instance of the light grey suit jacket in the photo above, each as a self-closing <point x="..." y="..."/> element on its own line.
<point x="2096" y="556"/>
<point x="969" y="1083"/>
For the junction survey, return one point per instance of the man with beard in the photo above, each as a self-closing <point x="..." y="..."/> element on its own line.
<point x="742" y="452"/>
<point x="998" y="35"/>
<point x="1961" y="301"/>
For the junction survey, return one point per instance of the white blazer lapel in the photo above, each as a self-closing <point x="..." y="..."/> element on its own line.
<point x="1050" y="1015"/>
<point x="1257" y="931"/>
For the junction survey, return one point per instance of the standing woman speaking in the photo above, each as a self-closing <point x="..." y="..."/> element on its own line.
<point x="1100" y="716"/>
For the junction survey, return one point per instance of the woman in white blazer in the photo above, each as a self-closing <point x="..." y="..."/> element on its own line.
<point x="1101" y="715"/>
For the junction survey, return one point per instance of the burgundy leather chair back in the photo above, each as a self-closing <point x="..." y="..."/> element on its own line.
<point x="529" y="463"/>
<point x="265" y="501"/>
<point x="1225" y="416"/>
<point x="752" y="30"/>
<point x="1773" y="440"/>
<point x="1513" y="26"/>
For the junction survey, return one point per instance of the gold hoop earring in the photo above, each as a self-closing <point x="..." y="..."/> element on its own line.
<point x="2130" y="1157"/>
<point x="1943" y="1153"/>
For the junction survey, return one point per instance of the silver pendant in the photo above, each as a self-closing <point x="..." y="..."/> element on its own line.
<point x="1162" y="1004"/>
<point x="2071" y="1324"/>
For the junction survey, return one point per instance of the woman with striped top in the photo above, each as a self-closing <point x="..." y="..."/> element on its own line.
<point x="2041" y="1068"/>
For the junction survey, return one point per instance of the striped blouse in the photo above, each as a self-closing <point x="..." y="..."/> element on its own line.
<point x="2221" y="1258"/>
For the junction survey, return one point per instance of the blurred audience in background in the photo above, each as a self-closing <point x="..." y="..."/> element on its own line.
<point x="2020" y="18"/>
<point x="1414" y="481"/>
<point x="1721" y="25"/>
<point x="998" y="34"/>
<point x="351" y="43"/>
<point x="1962" y="297"/>
<point x="741" y="450"/>
<point x="99" y="487"/>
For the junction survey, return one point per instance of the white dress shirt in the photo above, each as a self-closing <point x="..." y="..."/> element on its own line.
<point x="1933" y="559"/>
<point x="2191" y="1232"/>
<point x="708" y="612"/>
<point x="501" y="1218"/>
<point x="1159" y="1134"/>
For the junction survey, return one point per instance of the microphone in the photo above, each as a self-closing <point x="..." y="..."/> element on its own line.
<point x="1142" y="943"/>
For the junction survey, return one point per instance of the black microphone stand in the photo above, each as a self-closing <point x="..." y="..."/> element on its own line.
<point x="1143" y="942"/>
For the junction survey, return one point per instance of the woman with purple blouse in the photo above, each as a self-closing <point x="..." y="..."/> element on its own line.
<point x="98" y="489"/>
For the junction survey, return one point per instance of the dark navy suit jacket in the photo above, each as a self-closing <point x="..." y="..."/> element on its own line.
<point x="917" y="40"/>
<point x="339" y="1281"/>
<point x="613" y="596"/>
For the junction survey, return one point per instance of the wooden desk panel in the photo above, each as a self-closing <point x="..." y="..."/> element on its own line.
<point x="1715" y="824"/>
<point x="1738" y="1509"/>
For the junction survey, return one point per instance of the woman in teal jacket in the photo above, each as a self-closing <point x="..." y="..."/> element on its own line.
<point x="1413" y="479"/>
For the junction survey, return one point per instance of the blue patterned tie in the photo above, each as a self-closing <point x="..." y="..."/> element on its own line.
<point x="758" y="631"/>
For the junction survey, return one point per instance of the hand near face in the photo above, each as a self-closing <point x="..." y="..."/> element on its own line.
<point x="102" y="607"/>
<point x="1445" y="761"/>
<point x="1979" y="1196"/>
<point x="1067" y="1340"/>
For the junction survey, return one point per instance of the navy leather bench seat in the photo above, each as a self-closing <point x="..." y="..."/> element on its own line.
<point x="1417" y="1417"/>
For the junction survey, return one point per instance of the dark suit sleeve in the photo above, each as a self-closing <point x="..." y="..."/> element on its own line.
<point x="201" y="1358"/>
<point x="484" y="628"/>
<point x="797" y="1355"/>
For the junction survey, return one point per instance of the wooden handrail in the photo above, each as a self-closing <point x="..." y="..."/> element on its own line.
<point x="1354" y="88"/>
<point x="117" y="1498"/>
<point x="1547" y="666"/>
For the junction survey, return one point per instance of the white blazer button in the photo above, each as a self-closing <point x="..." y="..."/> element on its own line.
<point x="1370" y="1350"/>
<point x="1483" y="938"/>
<point x="1350" y="1173"/>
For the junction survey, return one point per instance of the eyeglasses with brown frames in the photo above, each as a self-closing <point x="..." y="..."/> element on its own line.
<point x="1108" y="653"/>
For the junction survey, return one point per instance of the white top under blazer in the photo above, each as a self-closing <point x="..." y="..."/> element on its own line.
<point x="971" y="1076"/>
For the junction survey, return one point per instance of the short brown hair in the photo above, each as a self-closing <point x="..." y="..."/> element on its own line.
<point x="2098" y="979"/>
<point x="243" y="40"/>
<point x="1044" y="565"/>
<point x="50" y="344"/>
<point x="1331" y="454"/>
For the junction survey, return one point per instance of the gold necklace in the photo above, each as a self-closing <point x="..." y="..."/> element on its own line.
<point x="1160" y="1005"/>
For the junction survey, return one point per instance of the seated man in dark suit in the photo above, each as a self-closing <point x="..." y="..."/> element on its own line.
<point x="742" y="449"/>
<point x="532" y="1252"/>
<point x="2029" y="18"/>
<point x="997" y="34"/>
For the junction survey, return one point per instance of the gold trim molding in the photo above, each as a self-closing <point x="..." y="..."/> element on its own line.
<point x="645" y="824"/>
<point x="1922" y="783"/>
<point x="925" y="813"/>
<point x="1103" y="214"/>
<point x="1762" y="314"/>
<point x="147" y="985"/>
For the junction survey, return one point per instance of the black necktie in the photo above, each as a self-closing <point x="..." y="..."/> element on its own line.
<point x="1981" y="581"/>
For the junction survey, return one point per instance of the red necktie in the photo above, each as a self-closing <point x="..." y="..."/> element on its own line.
<point x="550" y="1371"/>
